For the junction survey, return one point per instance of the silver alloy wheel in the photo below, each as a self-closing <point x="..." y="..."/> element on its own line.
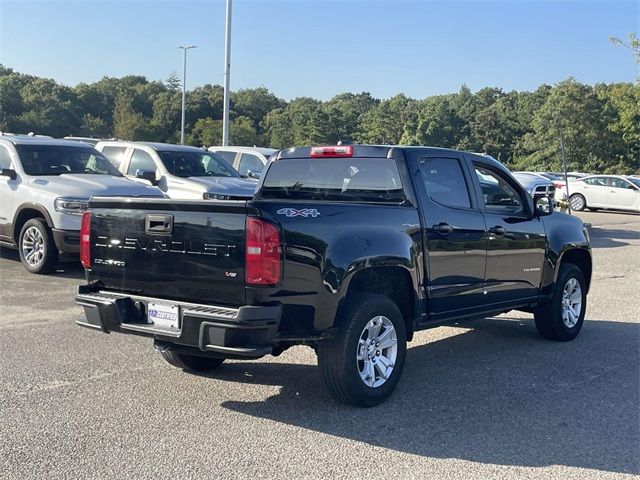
<point x="577" y="202"/>
<point x="377" y="351"/>
<point x="571" y="302"/>
<point x="33" y="246"/>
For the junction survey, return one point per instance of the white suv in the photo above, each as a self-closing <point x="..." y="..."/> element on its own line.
<point x="45" y="186"/>
<point x="248" y="161"/>
<point x="180" y="171"/>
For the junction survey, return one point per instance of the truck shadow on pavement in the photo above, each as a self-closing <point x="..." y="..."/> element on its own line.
<point x="73" y="270"/>
<point x="611" y="237"/>
<point x="494" y="394"/>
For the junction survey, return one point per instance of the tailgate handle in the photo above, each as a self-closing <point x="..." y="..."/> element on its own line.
<point x="158" y="224"/>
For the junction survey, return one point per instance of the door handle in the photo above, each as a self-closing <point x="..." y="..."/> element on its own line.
<point x="497" y="230"/>
<point x="443" y="228"/>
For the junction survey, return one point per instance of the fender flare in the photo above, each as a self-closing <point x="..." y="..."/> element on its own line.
<point x="29" y="206"/>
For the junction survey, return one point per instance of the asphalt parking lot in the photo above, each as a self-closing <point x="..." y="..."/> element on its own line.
<point x="489" y="399"/>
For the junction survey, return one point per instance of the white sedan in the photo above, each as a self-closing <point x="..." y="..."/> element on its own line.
<point x="605" y="191"/>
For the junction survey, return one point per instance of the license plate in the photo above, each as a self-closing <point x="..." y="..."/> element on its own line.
<point x="163" y="314"/>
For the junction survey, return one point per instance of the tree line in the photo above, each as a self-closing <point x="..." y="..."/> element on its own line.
<point x="600" y="124"/>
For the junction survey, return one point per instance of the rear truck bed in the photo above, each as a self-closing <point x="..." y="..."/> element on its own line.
<point x="173" y="271"/>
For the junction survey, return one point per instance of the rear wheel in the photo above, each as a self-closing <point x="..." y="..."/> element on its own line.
<point x="578" y="202"/>
<point x="191" y="362"/>
<point x="562" y="317"/>
<point x="37" y="248"/>
<point x="363" y="363"/>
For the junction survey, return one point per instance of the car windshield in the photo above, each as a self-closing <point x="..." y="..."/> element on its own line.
<point x="340" y="179"/>
<point x="634" y="180"/>
<point x="188" y="163"/>
<point x="62" y="159"/>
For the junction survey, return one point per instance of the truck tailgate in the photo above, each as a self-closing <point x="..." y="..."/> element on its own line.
<point x="183" y="250"/>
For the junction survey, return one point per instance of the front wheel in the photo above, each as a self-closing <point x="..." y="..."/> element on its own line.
<point x="37" y="248"/>
<point x="363" y="363"/>
<point x="577" y="202"/>
<point x="191" y="362"/>
<point x="562" y="317"/>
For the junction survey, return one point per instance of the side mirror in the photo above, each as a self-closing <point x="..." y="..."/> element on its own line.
<point x="9" y="172"/>
<point x="543" y="206"/>
<point x="254" y="175"/>
<point x="148" y="175"/>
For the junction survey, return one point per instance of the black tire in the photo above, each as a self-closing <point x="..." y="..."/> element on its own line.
<point x="580" y="201"/>
<point x="191" y="362"/>
<point x="48" y="256"/>
<point x="337" y="357"/>
<point x="548" y="316"/>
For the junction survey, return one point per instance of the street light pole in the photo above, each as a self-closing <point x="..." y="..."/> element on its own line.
<point x="184" y="88"/>
<point x="227" y="68"/>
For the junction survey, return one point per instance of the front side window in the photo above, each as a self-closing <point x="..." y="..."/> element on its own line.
<point x="337" y="179"/>
<point x="444" y="181"/>
<point x="189" y="163"/>
<point x="5" y="158"/>
<point x="44" y="160"/>
<point x="621" y="183"/>
<point x="249" y="162"/>
<point x="497" y="193"/>
<point x="140" y="160"/>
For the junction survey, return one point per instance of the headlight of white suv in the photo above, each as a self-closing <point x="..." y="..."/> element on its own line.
<point x="72" y="206"/>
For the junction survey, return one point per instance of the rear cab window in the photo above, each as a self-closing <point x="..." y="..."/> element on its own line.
<point x="444" y="182"/>
<point x="333" y="179"/>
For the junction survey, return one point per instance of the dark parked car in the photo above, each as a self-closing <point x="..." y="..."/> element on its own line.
<point x="347" y="249"/>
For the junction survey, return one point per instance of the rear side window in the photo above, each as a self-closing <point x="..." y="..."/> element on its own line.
<point x="249" y="162"/>
<point x="115" y="155"/>
<point x="339" y="179"/>
<point x="140" y="160"/>
<point x="444" y="181"/>
<point x="228" y="156"/>
<point x="596" y="181"/>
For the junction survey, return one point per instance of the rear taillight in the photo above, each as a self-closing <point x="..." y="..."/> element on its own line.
<point x="263" y="258"/>
<point x="85" y="243"/>
<point x="337" y="151"/>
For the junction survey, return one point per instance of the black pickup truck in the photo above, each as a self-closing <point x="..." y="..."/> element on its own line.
<point x="347" y="249"/>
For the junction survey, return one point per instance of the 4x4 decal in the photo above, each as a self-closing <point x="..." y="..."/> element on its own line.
<point x="294" y="212"/>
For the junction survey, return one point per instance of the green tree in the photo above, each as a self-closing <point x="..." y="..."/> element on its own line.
<point x="384" y="123"/>
<point x="127" y="123"/>
<point x="632" y="44"/>
<point x="572" y="112"/>
<point x="173" y="82"/>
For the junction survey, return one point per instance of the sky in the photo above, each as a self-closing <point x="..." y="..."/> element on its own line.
<point x="322" y="48"/>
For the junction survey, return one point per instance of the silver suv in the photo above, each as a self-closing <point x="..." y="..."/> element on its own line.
<point x="45" y="186"/>
<point x="180" y="171"/>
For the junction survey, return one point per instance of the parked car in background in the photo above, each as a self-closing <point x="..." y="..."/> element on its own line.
<point x="90" y="140"/>
<point x="249" y="161"/>
<point x="536" y="184"/>
<point x="605" y="191"/>
<point x="558" y="179"/>
<point x="179" y="171"/>
<point x="45" y="186"/>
